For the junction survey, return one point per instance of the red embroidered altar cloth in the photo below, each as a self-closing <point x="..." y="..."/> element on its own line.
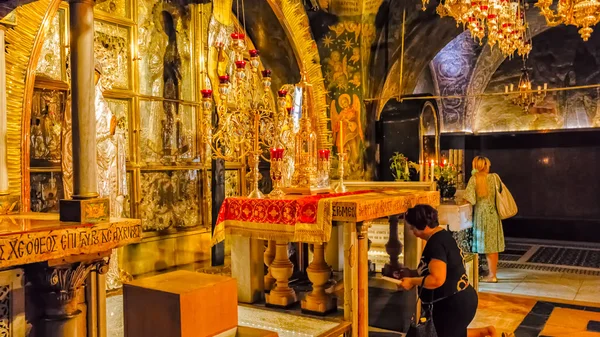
<point x="293" y="218"/>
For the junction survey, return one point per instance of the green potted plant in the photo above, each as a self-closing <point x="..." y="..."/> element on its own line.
<point x="399" y="165"/>
<point x="446" y="177"/>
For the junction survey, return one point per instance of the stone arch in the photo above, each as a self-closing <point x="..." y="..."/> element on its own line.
<point x="487" y="63"/>
<point x="426" y="35"/>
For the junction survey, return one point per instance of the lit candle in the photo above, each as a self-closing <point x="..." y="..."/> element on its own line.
<point x="539" y="89"/>
<point x="341" y="149"/>
<point x="445" y="162"/>
<point x="506" y="89"/>
<point x="421" y="173"/>
<point x="512" y="87"/>
<point x="545" y="86"/>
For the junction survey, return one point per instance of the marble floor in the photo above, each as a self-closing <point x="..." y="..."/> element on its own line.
<point x="557" y="286"/>
<point x="529" y="317"/>
<point x="531" y="302"/>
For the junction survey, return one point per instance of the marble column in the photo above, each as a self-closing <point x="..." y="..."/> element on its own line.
<point x="85" y="184"/>
<point x="85" y="207"/>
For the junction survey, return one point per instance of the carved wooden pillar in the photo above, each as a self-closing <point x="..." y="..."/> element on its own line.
<point x="318" y="302"/>
<point x="3" y="149"/>
<point x="393" y="247"/>
<point x="60" y="290"/>
<point x="281" y="269"/>
<point x="362" y="235"/>
<point x="268" y="259"/>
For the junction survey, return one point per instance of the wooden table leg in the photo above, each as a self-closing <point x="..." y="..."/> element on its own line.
<point x="363" y="279"/>
<point x="394" y="248"/>
<point x="282" y="295"/>
<point x="247" y="267"/>
<point x="318" y="302"/>
<point x="269" y="256"/>
<point x="350" y="276"/>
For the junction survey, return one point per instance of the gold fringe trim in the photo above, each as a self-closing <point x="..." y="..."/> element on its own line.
<point x="394" y="202"/>
<point x="295" y="22"/>
<point x="19" y="45"/>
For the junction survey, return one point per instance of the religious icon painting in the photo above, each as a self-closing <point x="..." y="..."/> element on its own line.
<point x="112" y="49"/>
<point x="45" y="192"/>
<point x="170" y="199"/>
<point x="114" y="8"/>
<point x="165" y="50"/>
<point x="46" y="127"/>
<point x="168" y="132"/>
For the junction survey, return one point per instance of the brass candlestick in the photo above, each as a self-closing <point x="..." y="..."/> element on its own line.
<point x="277" y="172"/>
<point x="340" y="187"/>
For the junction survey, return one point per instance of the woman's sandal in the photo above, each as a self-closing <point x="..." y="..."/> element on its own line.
<point x="508" y="334"/>
<point x="489" y="280"/>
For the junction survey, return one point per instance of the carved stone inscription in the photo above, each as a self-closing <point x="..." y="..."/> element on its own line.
<point x="31" y="247"/>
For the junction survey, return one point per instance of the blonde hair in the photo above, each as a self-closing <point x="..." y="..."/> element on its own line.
<point x="482" y="167"/>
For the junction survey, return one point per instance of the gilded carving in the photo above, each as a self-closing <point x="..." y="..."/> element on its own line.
<point x="232" y="183"/>
<point x="58" y="241"/>
<point x="20" y="41"/>
<point x="111" y="49"/>
<point x="50" y="62"/>
<point x="118" y="8"/>
<point x="46" y="126"/>
<point x="165" y="49"/>
<point x="5" y="310"/>
<point x="161" y="142"/>
<point x="171" y="199"/>
<point x="46" y="190"/>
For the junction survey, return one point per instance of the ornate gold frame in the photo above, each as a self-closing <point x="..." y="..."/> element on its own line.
<point x="293" y="19"/>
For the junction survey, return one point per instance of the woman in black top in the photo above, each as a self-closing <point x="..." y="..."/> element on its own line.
<point x="446" y="284"/>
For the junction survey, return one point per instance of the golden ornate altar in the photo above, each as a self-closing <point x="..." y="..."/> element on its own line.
<point x="309" y="219"/>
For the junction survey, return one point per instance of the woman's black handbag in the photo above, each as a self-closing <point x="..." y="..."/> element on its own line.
<point x="425" y="327"/>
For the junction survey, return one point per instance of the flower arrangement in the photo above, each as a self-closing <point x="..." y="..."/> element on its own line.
<point x="401" y="167"/>
<point x="446" y="177"/>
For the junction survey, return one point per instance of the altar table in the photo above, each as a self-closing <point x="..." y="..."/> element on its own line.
<point x="310" y="219"/>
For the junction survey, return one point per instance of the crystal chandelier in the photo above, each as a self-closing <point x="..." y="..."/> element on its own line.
<point x="502" y="21"/>
<point x="583" y="14"/>
<point x="524" y="96"/>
